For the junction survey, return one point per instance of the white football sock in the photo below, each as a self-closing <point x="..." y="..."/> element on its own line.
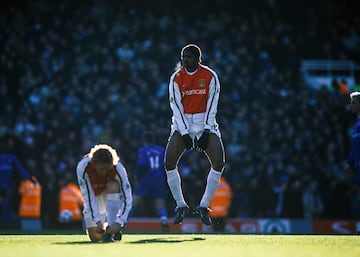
<point x="174" y="182"/>
<point x="213" y="181"/>
<point x="113" y="204"/>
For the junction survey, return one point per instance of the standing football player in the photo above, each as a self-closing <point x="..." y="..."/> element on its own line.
<point x="353" y="166"/>
<point x="105" y="186"/>
<point x="193" y="94"/>
<point x="150" y="177"/>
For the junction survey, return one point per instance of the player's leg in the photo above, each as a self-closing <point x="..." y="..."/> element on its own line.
<point x="143" y="189"/>
<point x="357" y="181"/>
<point x="113" y="204"/>
<point x="174" y="150"/>
<point x="173" y="153"/>
<point x="137" y="201"/>
<point x="158" y="192"/>
<point x="95" y="232"/>
<point x="215" y="152"/>
<point x="113" y="200"/>
<point x="162" y="213"/>
<point x="216" y="155"/>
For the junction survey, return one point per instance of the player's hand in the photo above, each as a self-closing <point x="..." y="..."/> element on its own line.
<point x="188" y="141"/>
<point x="113" y="228"/>
<point x="99" y="227"/>
<point x="34" y="180"/>
<point x="203" y="141"/>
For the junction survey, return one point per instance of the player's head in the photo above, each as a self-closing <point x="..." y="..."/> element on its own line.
<point x="193" y="50"/>
<point x="190" y="56"/>
<point x="104" y="157"/>
<point x="149" y="137"/>
<point x="355" y="102"/>
<point x="355" y="95"/>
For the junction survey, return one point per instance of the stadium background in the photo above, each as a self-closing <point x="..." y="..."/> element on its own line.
<point x="76" y="73"/>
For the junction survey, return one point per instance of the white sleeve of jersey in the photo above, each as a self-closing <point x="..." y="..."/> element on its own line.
<point x="177" y="107"/>
<point x="212" y="103"/>
<point x="125" y="186"/>
<point x="91" y="206"/>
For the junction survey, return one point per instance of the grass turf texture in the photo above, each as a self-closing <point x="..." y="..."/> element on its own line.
<point x="176" y="245"/>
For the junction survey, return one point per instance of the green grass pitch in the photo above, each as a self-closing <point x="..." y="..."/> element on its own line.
<point x="182" y="245"/>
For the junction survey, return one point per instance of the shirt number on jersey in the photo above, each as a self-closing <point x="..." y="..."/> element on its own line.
<point x="154" y="162"/>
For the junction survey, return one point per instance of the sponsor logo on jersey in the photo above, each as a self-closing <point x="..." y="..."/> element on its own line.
<point x="194" y="92"/>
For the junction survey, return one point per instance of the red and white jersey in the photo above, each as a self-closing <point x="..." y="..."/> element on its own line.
<point x="193" y="100"/>
<point x="92" y="185"/>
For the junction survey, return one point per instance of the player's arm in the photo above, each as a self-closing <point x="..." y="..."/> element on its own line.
<point x="350" y="160"/>
<point x="24" y="174"/>
<point x="212" y="103"/>
<point x="211" y="109"/>
<point x="127" y="195"/>
<point x="356" y="148"/>
<point x="353" y="161"/>
<point x="92" y="207"/>
<point x="79" y="196"/>
<point x="177" y="107"/>
<point x="140" y="166"/>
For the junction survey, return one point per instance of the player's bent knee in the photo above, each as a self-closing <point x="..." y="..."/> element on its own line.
<point x="112" y="186"/>
<point x="219" y="166"/>
<point x="169" y="165"/>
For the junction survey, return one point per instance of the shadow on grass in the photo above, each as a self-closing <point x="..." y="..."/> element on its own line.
<point x="142" y="241"/>
<point x="76" y="243"/>
<point x="165" y="240"/>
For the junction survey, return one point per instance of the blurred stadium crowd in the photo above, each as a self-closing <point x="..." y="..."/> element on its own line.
<point x="77" y="73"/>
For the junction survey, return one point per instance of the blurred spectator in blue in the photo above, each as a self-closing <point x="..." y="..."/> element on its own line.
<point x="12" y="173"/>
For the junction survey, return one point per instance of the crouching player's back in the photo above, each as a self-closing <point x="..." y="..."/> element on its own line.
<point x="105" y="186"/>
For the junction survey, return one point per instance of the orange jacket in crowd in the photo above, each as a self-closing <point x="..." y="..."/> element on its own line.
<point x="344" y="90"/>
<point x="30" y="203"/>
<point x="221" y="201"/>
<point x="71" y="199"/>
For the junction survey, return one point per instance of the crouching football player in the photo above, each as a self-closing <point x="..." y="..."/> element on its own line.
<point x="105" y="186"/>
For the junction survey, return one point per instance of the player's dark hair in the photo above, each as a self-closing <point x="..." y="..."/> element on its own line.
<point x="102" y="156"/>
<point x="149" y="137"/>
<point x="355" y="95"/>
